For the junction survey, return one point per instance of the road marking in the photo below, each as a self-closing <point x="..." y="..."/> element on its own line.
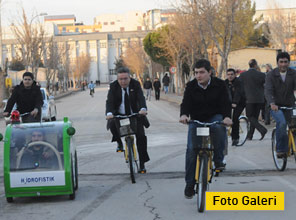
<point x="247" y="161"/>
<point x="286" y="182"/>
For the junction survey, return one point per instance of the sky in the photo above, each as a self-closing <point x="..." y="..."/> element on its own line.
<point x="86" y="10"/>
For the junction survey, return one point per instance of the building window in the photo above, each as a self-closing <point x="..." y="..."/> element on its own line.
<point x="164" y="19"/>
<point x="112" y="23"/>
<point x="139" y="28"/>
<point x="122" y="29"/>
<point x="103" y="45"/>
<point x="112" y="72"/>
<point x="105" y="23"/>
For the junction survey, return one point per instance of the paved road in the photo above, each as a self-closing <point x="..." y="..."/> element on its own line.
<point x="105" y="191"/>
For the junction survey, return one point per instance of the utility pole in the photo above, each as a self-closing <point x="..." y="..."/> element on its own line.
<point x="2" y="74"/>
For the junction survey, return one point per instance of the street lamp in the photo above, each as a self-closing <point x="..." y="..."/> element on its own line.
<point x="41" y="14"/>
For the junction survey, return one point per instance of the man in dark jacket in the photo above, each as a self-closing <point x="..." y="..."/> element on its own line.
<point x="279" y="92"/>
<point x="28" y="98"/>
<point x="238" y="100"/>
<point x="205" y="99"/>
<point x="166" y="82"/>
<point x="253" y="82"/>
<point x="125" y="97"/>
<point x="157" y="86"/>
<point x="148" y="88"/>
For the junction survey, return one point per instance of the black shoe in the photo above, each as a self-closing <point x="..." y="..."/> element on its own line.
<point x="281" y="155"/>
<point x="263" y="134"/>
<point x="234" y="142"/>
<point x="119" y="149"/>
<point x="142" y="168"/>
<point x="189" y="191"/>
<point x="220" y="166"/>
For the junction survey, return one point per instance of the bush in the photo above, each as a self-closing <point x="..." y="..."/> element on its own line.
<point x="16" y="64"/>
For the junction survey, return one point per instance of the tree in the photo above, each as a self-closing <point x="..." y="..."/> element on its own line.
<point x="118" y="63"/>
<point x="135" y="58"/>
<point x="31" y="38"/>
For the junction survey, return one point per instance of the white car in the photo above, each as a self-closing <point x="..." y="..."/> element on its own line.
<point x="49" y="110"/>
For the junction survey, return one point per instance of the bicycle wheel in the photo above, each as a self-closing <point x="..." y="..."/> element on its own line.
<point x="202" y="182"/>
<point x="292" y="147"/>
<point x="244" y="127"/>
<point x="131" y="160"/>
<point x="280" y="163"/>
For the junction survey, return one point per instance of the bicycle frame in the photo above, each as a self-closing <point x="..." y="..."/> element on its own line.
<point x="209" y="152"/>
<point x="126" y="148"/>
<point x="291" y="141"/>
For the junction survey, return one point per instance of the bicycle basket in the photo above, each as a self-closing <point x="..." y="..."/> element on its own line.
<point x="127" y="126"/>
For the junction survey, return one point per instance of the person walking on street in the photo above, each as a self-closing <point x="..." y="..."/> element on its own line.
<point x="148" y="88"/>
<point x="28" y="98"/>
<point x="279" y="92"/>
<point x="205" y="99"/>
<point x="253" y="83"/>
<point x="266" y="105"/>
<point x="238" y="100"/>
<point x="166" y="82"/>
<point x="157" y="86"/>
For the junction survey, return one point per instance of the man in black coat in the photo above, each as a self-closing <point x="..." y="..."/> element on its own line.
<point x="279" y="92"/>
<point x="157" y="86"/>
<point x="205" y="99"/>
<point x="28" y="98"/>
<point x="238" y="100"/>
<point x="253" y="82"/>
<point x="121" y="90"/>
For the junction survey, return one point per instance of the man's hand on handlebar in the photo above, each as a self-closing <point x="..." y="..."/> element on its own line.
<point x="109" y="117"/>
<point x="34" y="112"/>
<point x="143" y="112"/>
<point x="227" y="121"/>
<point x="5" y="114"/>
<point x="184" y="119"/>
<point x="274" y="107"/>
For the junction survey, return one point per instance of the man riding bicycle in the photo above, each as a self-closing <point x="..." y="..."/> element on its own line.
<point x="205" y="99"/>
<point x="279" y="92"/>
<point x="28" y="98"/>
<point x="125" y="97"/>
<point x="91" y="87"/>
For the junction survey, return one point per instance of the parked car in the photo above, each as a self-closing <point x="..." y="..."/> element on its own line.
<point x="49" y="110"/>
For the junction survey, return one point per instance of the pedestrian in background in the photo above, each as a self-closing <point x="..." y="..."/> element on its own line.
<point x="253" y="84"/>
<point x="148" y="88"/>
<point x="157" y="86"/>
<point x="166" y="82"/>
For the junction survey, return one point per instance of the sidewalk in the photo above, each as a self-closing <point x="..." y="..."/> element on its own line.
<point x="170" y="97"/>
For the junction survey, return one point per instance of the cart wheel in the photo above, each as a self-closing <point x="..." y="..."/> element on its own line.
<point x="72" y="196"/>
<point x="9" y="199"/>
<point x="76" y="171"/>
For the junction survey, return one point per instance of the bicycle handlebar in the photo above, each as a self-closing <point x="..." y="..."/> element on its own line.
<point x="206" y="123"/>
<point x="126" y="116"/>
<point x="286" y="108"/>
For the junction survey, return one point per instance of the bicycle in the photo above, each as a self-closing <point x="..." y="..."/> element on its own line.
<point x="92" y="91"/>
<point x="204" y="170"/>
<point x="244" y="127"/>
<point x="127" y="126"/>
<point x="281" y="163"/>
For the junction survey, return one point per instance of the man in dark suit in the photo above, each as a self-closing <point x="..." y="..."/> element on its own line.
<point x="125" y="97"/>
<point x="238" y="101"/>
<point x="253" y="83"/>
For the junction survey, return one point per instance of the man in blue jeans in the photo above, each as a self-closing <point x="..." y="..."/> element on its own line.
<point x="280" y="85"/>
<point x="205" y="99"/>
